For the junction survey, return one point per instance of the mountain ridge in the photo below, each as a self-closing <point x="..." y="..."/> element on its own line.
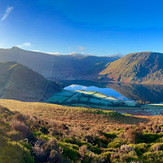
<point x="21" y="83"/>
<point x="57" y="67"/>
<point x="141" y="67"/>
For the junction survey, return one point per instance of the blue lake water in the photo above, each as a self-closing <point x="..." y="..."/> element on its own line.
<point x="106" y="91"/>
<point x="136" y="92"/>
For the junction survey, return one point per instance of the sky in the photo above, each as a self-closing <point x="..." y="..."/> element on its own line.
<point x="99" y="27"/>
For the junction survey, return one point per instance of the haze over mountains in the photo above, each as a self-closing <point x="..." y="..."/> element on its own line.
<point x="58" y="67"/>
<point x="21" y="83"/>
<point x="142" y="67"/>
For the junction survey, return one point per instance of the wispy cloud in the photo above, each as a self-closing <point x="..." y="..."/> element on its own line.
<point x="82" y="48"/>
<point x="26" y="44"/>
<point x="7" y="12"/>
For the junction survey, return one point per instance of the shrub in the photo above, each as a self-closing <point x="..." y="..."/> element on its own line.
<point x="21" y="127"/>
<point x="149" y="138"/>
<point x="110" y="135"/>
<point x="157" y="147"/>
<point x="69" y="152"/>
<point x="154" y="157"/>
<point x="83" y="150"/>
<point x="95" y="149"/>
<point x="116" y="143"/>
<point x="126" y="149"/>
<point x="14" y="135"/>
<point x="18" y="117"/>
<point x="105" y="157"/>
<point x="49" y="151"/>
<point x="52" y="150"/>
<point x="133" y="136"/>
<point x="53" y="132"/>
<point x="128" y="157"/>
<point x="72" y="140"/>
<point x="39" y="152"/>
<point x="140" y="148"/>
<point x="92" y="139"/>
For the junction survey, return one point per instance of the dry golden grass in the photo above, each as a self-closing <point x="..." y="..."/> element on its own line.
<point x="74" y="115"/>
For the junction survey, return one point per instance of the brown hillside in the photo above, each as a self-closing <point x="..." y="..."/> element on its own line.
<point x="144" y="67"/>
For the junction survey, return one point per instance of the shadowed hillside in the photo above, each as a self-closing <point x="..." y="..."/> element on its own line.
<point x="20" y="82"/>
<point x="143" y="67"/>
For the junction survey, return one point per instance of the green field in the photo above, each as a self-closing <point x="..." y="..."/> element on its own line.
<point x="89" y="98"/>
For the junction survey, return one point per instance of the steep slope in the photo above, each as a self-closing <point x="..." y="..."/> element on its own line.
<point x="143" y="67"/>
<point x="21" y="83"/>
<point x="58" y="67"/>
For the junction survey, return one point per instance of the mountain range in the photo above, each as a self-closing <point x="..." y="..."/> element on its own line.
<point x="58" y="67"/>
<point x="140" y="67"/>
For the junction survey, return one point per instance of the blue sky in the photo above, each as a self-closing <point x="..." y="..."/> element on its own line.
<point x="100" y="27"/>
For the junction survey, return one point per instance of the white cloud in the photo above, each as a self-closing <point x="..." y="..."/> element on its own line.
<point x="82" y="48"/>
<point x="26" y="44"/>
<point x="7" y="12"/>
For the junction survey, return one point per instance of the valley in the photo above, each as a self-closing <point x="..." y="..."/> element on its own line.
<point x="76" y="108"/>
<point x="81" y="81"/>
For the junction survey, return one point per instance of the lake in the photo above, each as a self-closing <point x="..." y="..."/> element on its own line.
<point x="135" y="92"/>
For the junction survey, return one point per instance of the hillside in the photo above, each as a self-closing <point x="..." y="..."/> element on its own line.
<point x="58" y="67"/>
<point x="21" y="83"/>
<point x="143" y="67"/>
<point x="40" y="132"/>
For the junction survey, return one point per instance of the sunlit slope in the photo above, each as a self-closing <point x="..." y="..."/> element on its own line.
<point x="21" y="83"/>
<point x="68" y="114"/>
<point x="143" y="67"/>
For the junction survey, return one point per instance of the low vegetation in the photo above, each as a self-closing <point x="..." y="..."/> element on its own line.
<point x="39" y="132"/>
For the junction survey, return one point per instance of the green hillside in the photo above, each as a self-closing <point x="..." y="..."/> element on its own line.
<point x="143" y="67"/>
